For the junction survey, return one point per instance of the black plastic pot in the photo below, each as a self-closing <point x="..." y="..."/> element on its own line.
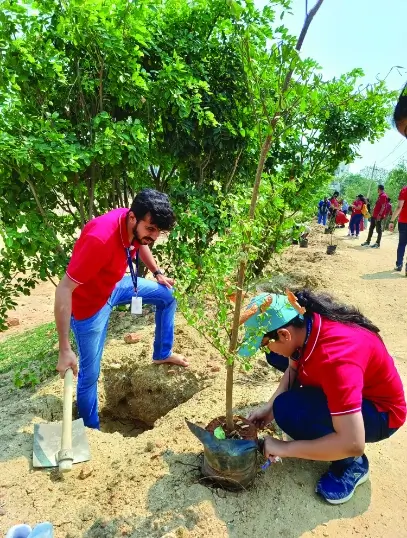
<point x="232" y="463"/>
<point x="330" y="249"/>
<point x="304" y="243"/>
<point x="327" y="231"/>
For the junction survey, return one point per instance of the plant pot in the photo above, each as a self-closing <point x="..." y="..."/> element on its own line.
<point x="327" y="231"/>
<point x="231" y="463"/>
<point x="330" y="249"/>
<point x="304" y="243"/>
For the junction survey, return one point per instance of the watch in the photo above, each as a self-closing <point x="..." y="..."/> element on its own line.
<point x="156" y="273"/>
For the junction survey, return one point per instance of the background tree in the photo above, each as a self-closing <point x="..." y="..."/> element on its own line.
<point x="397" y="179"/>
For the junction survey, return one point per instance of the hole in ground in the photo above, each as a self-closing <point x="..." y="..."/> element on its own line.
<point x="121" y="420"/>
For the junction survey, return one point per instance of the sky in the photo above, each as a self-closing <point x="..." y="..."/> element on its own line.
<point x="370" y="34"/>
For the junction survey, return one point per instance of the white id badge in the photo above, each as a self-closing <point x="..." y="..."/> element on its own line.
<point x="136" y="305"/>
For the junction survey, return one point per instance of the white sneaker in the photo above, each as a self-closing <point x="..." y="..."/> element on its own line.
<point x="19" y="531"/>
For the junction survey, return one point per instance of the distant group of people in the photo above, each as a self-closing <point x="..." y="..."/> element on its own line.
<point x="333" y="213"/>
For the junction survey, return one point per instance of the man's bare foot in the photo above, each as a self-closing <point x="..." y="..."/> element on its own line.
<point x="174" y="358"/>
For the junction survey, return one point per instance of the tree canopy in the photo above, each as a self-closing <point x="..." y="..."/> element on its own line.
<point x="99" y="99"/>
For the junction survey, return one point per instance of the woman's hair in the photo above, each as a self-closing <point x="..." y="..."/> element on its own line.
<point x="361" y="198"/>
<point x="400" y="110"/>
<point x="324" y="304"/>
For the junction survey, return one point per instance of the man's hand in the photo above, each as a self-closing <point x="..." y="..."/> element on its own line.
<point x="67" y="359"/>
<point x="165" y="281"/>
<point x="391" y="227"/>
<point x="261" y="416"/>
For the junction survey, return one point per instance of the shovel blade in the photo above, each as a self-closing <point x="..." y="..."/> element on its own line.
<point x="47" y="443"/>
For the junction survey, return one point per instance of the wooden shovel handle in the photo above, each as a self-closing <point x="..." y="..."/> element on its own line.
<point x="65" y="458"/>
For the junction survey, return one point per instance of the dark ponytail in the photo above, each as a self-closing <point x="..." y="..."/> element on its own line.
<point x="400" y="111"/>
<point x="323" y="304"/>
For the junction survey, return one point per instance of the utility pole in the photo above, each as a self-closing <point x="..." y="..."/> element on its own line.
<point x="371" y="181"/>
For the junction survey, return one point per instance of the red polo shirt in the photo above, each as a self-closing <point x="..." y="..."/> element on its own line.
<point x="380" y="206"/>
<point x="357" y="207"/>
<point x="99" y="261"/>
<point x="403" y="212"/>
<point x="349" y="364"/>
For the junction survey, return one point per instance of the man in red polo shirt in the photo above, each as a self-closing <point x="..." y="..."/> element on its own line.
<point x="401" y="213"/>
<point x="94" y="283"/>
<point x="376" y="219"/>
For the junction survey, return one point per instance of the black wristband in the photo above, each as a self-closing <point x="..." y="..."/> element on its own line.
<point x="156" y="273"/>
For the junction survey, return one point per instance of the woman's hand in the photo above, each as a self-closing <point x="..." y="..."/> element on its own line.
<point x="262" y="416"/>
<point x="273" y="448"/>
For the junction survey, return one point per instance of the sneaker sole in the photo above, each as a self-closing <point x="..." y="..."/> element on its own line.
<point x="361" y="481"/>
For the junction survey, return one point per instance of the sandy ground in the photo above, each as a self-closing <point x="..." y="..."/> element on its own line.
<point x="150" y="485"/>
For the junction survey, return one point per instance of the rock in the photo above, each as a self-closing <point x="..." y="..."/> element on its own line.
<point x="215" y="369"/>
<point x="2" y="511"/>
<point x="86" y="472"/>
<point x="132" y="338"/>
<point x="12" y="322"/>
<point x="171" y="372"/>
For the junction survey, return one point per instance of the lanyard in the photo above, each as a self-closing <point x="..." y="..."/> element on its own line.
<point x="308" y="329"/>
<point x="131" y="267"/>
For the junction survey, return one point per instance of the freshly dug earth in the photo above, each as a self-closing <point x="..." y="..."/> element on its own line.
<point x="150" y="485"/>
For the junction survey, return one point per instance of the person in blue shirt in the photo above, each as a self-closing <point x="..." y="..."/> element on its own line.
<point x="323" y="207"/>
<point x="345" y="206"/>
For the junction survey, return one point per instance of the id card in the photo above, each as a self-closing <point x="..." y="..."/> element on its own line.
<point x="136" y="305"/>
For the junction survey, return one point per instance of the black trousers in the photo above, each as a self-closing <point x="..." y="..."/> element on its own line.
<point x="374" y="223"/>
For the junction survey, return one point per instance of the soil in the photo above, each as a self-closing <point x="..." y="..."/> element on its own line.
<point x="148" y="483"/>
<point x="243" y="429"/>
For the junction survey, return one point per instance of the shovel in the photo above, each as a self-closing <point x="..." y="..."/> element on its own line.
<point x="61" y="445"/>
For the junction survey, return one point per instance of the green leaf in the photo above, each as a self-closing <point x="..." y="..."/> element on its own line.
<point x="219" y="433"/>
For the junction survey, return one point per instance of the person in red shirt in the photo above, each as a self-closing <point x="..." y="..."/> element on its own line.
<point x="377" y="218"/>
<point x="401" y="214"/>
<point x="400" y="121"/>
<point x="95" y="282"/>
<point x="387" y="214"/>
<point x="339" y="391"/>
<point x="357" y="216"/>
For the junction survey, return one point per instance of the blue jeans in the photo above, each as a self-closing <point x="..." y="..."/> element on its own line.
<point x="303" y="414"/>
<point x="322" y="218"/>
<point x="90" y="336"/>
<point x="401" y="249"/>
<point x="355" y="221"/>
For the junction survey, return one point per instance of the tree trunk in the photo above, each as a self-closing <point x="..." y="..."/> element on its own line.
<point x="91" y="191"/>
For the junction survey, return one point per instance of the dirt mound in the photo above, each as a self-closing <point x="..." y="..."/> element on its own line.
<point x="129" y="379"/>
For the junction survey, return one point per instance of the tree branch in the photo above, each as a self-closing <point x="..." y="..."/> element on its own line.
<point x="44" y="215"/>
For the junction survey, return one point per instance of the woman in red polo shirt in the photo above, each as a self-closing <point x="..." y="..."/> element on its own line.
<point x="357" y="216"/>
<point x="400" y="120"/>
<point x="340" y="388"/>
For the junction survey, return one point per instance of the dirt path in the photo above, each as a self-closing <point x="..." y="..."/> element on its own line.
<point x="149" y="486"/>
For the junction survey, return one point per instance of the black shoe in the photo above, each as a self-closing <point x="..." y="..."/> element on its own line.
<point x="375" y="246"/>
<point x="398" y="268"/>
<point x="365" y="244"/>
